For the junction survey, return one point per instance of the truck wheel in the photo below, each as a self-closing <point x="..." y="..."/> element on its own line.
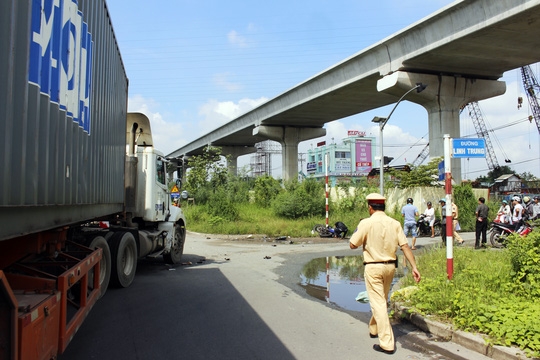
<point x="177" y="248"/>
<point x="124" y="258"/>
<point x="104" y="264"/>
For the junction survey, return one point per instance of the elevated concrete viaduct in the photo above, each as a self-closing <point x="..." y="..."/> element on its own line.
<point x="459" y="52"/>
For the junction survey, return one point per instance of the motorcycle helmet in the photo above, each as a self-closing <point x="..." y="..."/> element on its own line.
<point x="526" y="199"/>
<point x="536" y="198"/>
<point x="442" y="201"/>
<point x="505" y="202"/>
<point x="409" y="201"/>
<point x="516" y="198"/>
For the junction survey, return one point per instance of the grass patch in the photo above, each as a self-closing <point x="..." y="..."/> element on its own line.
<point x="482" y="297"/>
<point x="252" y="220"/>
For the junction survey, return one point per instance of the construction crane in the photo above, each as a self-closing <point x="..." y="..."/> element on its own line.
<point x="476" y="116"/>
<point x="478" y="121"/>
<point x="422" y="156"/>
<point x="531" y="89"/>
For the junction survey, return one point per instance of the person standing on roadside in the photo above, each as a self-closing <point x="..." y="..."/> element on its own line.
<point x="409" y="213"/>
<point x="430" y="217"/>
<point x="455" y="221"/>
<point x="443" y="220"/>
<point x="481" y="222"/>
<point x="380" y="236"/>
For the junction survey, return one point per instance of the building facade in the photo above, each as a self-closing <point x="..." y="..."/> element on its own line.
<point x="354" y="157"/>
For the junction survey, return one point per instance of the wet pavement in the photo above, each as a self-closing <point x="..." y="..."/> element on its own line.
<point x="339" y="280"/>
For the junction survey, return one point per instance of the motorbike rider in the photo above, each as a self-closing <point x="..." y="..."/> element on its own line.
<point x="517" y="214"/>
<point x="527" y="208"/>
<point x="504" y="215"/>
<point x="536" y="207"/>
<point x="429" y="216"/>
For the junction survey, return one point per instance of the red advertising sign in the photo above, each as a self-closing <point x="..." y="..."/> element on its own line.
<point x="363" y="156"/>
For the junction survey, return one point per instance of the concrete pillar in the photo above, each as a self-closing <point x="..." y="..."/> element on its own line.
<point x="233" y="153"/>
<point x="443" y="99"/>
<point x="289" y="138"/>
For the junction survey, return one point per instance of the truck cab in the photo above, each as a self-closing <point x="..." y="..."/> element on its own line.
<point x="149" y="206"/>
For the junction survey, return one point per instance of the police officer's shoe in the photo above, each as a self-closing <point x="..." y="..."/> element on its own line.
<point x="378" y="348"/>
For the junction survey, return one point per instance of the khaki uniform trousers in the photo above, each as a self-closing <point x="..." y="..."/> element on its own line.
<point x="456" y="234"/>
<point x="378" y="279"/>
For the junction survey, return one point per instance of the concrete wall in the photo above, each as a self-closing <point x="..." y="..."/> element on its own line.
<point x="420" y="195"/>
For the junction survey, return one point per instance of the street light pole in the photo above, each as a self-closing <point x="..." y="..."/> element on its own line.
<point x="382" y="122"/>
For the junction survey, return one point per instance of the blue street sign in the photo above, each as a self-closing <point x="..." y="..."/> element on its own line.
<point x="468" y="148"/>
<point x="441" y="171"/>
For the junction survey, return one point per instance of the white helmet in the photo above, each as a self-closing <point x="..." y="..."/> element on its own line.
<point x="516" y="198"/>
<point x="526" y="199"/>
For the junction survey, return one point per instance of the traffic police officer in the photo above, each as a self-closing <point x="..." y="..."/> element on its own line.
<point x="380" y="235"/>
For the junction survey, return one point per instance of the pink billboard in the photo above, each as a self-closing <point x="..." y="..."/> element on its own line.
<point x="363" y="157"/>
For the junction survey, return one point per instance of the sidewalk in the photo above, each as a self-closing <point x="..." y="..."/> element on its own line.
<point x="474" y="342"/>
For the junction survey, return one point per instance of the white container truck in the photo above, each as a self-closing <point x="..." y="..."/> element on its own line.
<point x="83" y="192"/>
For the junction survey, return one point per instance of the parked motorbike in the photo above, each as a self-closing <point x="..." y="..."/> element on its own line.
<point x="423" y="228"/>
<point x="499" y="232"/>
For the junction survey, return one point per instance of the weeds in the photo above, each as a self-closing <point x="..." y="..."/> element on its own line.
<point x="486" y="293"/>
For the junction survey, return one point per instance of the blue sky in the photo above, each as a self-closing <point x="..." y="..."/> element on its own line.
<point x="194" y="65"/>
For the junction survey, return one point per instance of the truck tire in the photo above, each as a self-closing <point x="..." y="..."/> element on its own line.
<point x="104" y="264"/>
<point x="177" y="249"/>
<point x="123" y="258"/>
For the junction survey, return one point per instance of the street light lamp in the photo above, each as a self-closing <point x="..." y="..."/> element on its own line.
<point x="382" y="122"/>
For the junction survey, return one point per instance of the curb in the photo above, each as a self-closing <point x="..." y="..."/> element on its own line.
<point x="473" y="342"/>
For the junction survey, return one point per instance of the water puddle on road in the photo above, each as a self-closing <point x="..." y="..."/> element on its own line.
<point x="345" y="280"/>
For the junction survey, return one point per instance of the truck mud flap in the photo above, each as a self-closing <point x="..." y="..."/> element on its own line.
<point x="8" y="321"/>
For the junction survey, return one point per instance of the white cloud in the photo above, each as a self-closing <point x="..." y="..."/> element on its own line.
<point x="222" y="80"/>
<point x="215" y="113"/>
<point x="236" y="39"/>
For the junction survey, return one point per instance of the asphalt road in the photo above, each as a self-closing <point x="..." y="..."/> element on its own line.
<point x="238" y="300"/>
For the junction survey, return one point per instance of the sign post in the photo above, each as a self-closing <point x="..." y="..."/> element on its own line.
<point x="458" y="148"/>
<point x="449" y="219"/>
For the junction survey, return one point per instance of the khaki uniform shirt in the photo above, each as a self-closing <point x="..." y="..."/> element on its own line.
<point x="380" y="236"/>
<point x="455" y="211"/>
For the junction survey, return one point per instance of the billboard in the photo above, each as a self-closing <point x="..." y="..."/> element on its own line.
<point x="364" y="162"/>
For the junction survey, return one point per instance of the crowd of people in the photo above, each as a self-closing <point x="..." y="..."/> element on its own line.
<point x="516" y="212"/>
<point x="519" y="210"/>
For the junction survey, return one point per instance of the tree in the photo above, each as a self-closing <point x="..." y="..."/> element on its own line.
<point x="530" y="181"/>
<point x="206" y="169"/>
<point x="501" y="170"/>
<point x="422" y="175"/>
